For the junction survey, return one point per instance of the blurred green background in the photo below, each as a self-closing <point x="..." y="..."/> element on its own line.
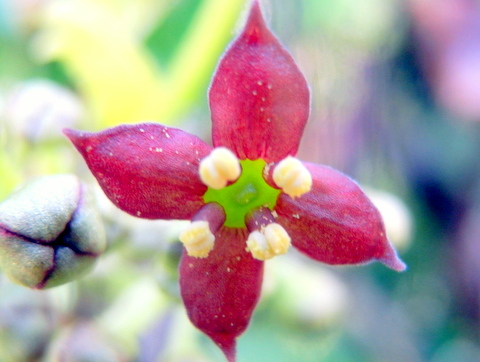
<point x="395" y="104"/>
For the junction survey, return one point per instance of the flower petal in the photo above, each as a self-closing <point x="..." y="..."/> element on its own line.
<point x="221" y="291"/>
<point x="147" y="170"/>
<point x="259" y="99"/>
<point x="335" y="222"/>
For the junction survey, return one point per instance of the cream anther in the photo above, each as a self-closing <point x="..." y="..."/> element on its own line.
<point x="219" y="167"/>
<point x="198" y="239"/>
<point x="268" y="242"/>
<point x="292" y="177"/>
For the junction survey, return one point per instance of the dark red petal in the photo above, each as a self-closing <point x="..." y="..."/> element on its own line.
<point x="335" y="222"/>
<point x="147" y="170"/>
<point x="259" y="99"/>
<point x="221" y="291"/>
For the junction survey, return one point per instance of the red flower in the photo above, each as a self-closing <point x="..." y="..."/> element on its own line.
<point x="248" y="198"/>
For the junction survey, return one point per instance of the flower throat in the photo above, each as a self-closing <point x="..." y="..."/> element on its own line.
<point x="247" y="193"/>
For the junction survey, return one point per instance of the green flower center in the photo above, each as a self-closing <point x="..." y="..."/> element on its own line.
<point x="249" y="192"/>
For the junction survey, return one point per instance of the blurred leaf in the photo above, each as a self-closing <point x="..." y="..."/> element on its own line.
<point x="198" y="53"/>
<point x="117" y="75"/>
<point x="167" y="35"/>
<point x="114" y="73"/>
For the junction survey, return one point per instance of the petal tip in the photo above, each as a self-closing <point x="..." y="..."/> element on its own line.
<point x="255" y="29"/>
<point x="228" y="345"/>
<point x="391" y="260"/>
<point x="73" y="135"/>
<point x="255" y="13"/>
<point x="80" y="140"/>
<point x="68" y="132"/>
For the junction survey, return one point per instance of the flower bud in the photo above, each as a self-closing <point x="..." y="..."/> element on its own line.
<point x="49" y="232"/>
<point x="38" y="109"/>
<point x="313" y="297"/>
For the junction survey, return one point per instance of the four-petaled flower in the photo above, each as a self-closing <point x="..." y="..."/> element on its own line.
<point x="248" y="198"/>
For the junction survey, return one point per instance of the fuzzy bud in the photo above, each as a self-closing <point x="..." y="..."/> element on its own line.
<point x="49" y="232"/>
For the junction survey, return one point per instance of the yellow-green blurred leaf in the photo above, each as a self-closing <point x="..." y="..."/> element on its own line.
<point x="116" y="76"/>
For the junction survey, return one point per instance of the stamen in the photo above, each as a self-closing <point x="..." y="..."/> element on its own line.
<point x="268" y="242"/>
<point x="198" y="239"/>
<point x="277" y="238"/>
<point x="219" y="167"/>
<point x="292" y="177"/>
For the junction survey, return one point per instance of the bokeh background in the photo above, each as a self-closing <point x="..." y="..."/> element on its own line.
<point x="396" y="105"/>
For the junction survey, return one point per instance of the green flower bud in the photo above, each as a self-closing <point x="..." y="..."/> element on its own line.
<point x="49" y="232"/>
